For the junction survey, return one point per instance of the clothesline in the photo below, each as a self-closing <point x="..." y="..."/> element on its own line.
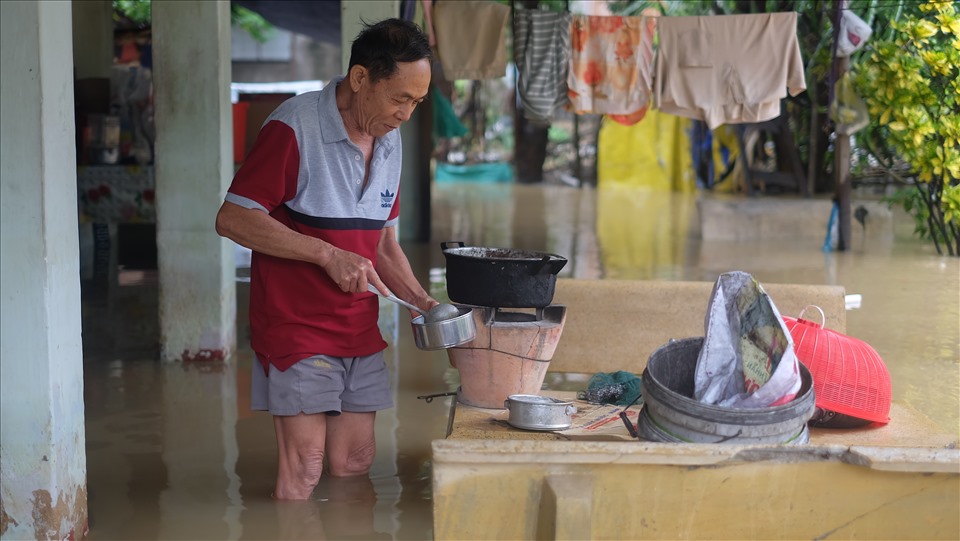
<point x="905" y="3"/>
<point x="720" y="69"/>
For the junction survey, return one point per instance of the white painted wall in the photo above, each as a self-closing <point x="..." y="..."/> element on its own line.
<point x="194" y="167"/>
<point x="42" y="456"/>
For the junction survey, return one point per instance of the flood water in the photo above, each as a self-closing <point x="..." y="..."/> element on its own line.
<point x="174" y="451"/>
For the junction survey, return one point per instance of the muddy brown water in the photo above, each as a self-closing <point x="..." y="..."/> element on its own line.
<point x="174" y="451"/>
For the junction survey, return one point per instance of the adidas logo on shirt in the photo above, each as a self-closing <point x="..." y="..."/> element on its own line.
<point x="386" y="199"/>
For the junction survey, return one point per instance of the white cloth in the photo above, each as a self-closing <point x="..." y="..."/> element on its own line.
<point x="471" y="38"/>
<point x="728" y="69"/>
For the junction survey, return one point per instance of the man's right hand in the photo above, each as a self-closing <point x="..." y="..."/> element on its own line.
<point x="351" y="272"/>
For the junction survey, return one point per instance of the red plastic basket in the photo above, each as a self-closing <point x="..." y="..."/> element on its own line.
<point x="849" y="377"/>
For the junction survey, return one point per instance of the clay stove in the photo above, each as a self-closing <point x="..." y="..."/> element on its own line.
<point x="510" y="355"/>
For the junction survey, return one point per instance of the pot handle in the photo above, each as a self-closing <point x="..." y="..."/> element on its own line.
<point x="550" y="265"/>
<point x="506" y="404"/>
<point x="446" y="244"/>
<point x="571" y="409"/>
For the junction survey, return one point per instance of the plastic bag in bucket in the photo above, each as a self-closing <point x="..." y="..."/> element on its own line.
<point x="747" y="359"/>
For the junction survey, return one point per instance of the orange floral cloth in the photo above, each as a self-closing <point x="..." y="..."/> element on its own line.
<point x="611" y="66"/>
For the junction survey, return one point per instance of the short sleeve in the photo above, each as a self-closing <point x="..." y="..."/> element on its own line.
<point x="268" y="178"/>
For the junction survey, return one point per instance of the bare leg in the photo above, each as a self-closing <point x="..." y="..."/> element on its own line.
<point x="301" y="440"/>
<point x="351" y="445"/>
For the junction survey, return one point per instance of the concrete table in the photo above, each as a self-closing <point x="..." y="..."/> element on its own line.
<point x="493" y="481"/>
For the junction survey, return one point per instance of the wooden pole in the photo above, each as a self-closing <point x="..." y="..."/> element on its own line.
<point x="841" y="149"/>
<point x="841" y="166"/>
<point x="577" y="165"/>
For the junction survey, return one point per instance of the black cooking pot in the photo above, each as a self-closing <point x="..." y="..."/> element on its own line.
<point x="500" y="277"/>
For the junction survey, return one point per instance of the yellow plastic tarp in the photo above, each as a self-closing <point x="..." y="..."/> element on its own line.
<point x="653" y="153"/>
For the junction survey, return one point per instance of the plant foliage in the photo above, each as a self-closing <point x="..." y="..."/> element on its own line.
<point x="911" y="83"/>
<point x="139" y="12"/>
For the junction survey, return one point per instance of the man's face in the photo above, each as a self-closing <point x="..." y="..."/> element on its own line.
<point x="389" y="102"/>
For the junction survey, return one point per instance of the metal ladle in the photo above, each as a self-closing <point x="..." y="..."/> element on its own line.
<point x="372" y="289"/>
<point x="439" y="312"/>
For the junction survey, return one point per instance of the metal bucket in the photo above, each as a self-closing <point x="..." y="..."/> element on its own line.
<point x="670" y="412"/>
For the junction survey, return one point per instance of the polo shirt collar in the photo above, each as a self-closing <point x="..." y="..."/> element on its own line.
<point x="331" y="123"/>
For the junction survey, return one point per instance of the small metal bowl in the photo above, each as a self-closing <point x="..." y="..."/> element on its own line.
<point x="446" y="333"/>
<point x="535" y="412"/>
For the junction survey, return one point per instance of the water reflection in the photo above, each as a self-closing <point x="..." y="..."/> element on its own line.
<point x="644" y="234"/>
<point x="200" y="451"/>
<point x="341" y="508"/>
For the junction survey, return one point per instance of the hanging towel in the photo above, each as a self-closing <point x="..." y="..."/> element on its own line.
<point x="471" y="38"/>
<point x="445" y="121"/>
<point x="611" y="65"/>
<point x="728" y="69"/>
<point x="541" y="49"/>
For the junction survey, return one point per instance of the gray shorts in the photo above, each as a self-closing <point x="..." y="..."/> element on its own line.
<point x="323" y="384"/>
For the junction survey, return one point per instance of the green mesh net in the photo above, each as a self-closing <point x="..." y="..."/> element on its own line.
<point x="619" y="388"/>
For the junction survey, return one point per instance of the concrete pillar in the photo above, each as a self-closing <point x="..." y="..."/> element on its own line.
<point x="92" y="38"/>
<point x="194" y="166"/>
<point x="43" y="493"/>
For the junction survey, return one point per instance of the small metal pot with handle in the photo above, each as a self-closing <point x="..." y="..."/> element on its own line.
<point x="445" y="333"/>
<point x="535" y="412"/>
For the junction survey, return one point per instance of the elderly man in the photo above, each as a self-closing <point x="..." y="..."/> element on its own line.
<point x="318" y="202"/>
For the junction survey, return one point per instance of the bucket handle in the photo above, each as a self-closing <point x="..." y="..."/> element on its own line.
<point x="823" y="318"/>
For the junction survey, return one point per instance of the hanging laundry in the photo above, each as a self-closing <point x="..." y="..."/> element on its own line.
<point x="728" y="69"/>
<point x="541" y="48"/>
<point x="632" y="118"/>
<point x="470" y="38"/>
<point x="446" y="124"/>
<point x="611" y="64"/>
<point x="428" y="21"/>
<point x="408" y="10"/>
<point x="653" y="155"/>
